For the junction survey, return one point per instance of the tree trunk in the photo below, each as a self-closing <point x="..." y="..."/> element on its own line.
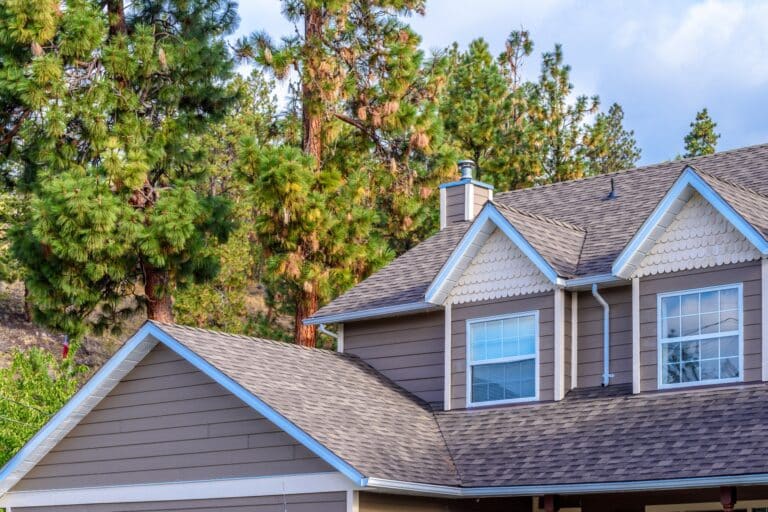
<point x="312" y="144"/>
<point x="159" y="299"/>
<point x="116" y="13"/>
<point x="306" y="305"/>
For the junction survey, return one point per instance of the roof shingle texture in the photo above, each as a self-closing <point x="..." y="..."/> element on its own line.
<point x="566" y="211"/>
<point x="340" y="401"/>
<point x="588" y="439"/>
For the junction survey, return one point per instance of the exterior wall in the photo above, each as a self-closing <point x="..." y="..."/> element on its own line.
<point x="167" y="422"/>
<point x="325" y="502"/>
<point x="748" y="273"/>
<point x="454" y="204"/>
<point x="375" y="502"/>
<point x="482" y="196"/>
<point x="590" y="337"/>
<point x="544" y="303"/>
<point x="408" y="350"/>
<point x="568" y="343"/>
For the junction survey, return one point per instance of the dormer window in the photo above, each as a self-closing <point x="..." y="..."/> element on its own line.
<point x="700" y="336"/>
<point x="503" y="359"/>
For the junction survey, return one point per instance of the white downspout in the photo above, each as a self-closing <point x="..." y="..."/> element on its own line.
<point x="339" y="339"/>
<point x="606" y="335"/>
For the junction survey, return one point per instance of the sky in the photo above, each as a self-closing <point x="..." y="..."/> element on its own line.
<point x="662" y="61"/>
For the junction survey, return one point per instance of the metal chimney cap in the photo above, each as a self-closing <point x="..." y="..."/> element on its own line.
<point x="467" y="168"/>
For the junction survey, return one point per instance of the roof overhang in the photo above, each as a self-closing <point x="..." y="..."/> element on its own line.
<point x="382" y="312"/>
<point x="132" y="352"/>
<point x="486" y="222"/>
<point x="673" y="201"/>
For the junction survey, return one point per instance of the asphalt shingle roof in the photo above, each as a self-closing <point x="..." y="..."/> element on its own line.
<point x="340" y="401"/>
<point x="594" y="435"/>
<point x="563" y="212"/>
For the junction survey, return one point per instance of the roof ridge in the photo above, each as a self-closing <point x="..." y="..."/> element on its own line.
<point x="244" y="337"/>
<point x="683" y="162"/>
<point x="542" y="218"/>
<point x="729" y="182"/>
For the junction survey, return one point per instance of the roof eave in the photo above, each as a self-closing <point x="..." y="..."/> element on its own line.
<point x="381" y="312"/>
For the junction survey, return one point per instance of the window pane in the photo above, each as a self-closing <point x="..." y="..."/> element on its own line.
<point x="503" y="381"/>
<point x="672" y="373"/>
<point x="710" y="323"/>
<point x="729" y="346"/>
<point x="710" y="302"/>
<point x="729" y="321"/>
<point x="670" y="306"/>
<point x="729" y="299"/>
<point x="493" y="330"/>
<point x="710" y="369"/>
<point x="690" y="351"/>
<point x="671" y="353"/>
<point x="690" y="372"/>
<point x="670" y="327"/>
<point x="710" y="349"/>
<point x="690" y="304"/>
<point x="729" y="368"/>
<point x="690" y="325"/>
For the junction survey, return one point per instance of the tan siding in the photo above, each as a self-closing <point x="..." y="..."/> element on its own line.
<point x="454" y="200"/>
<point x="746" y="273"/>
<point x="165" y="422"/>
<point x="544" y="303"/>
<point x="325" y="502"/>
<point x="375" y="502"/>
<point x="590" y="344"/>
<point x="407" y="349"/>
<point x="481" y="197"/>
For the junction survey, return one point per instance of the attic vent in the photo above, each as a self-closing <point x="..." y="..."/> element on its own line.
<point x="612" y="194"/>
<point x="467" y="169"/>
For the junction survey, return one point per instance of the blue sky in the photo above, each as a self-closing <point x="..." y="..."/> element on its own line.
<point x="661" y="60"/>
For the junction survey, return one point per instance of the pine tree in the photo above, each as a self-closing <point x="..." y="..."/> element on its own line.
<point x="117" y="100"/>
<point x="610" y="147"/>
<point x="366" y="99"/>
<point x="702" y="139"/>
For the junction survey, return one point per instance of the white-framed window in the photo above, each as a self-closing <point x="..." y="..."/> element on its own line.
<point x="502" y="359"/>
<point x="700" y="335"/>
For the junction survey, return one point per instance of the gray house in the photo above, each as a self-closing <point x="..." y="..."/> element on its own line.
<point x="598" y="344"/>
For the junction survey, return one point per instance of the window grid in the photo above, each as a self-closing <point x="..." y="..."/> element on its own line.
<point x="498" y="346"/>
<point x="700" y="336"/>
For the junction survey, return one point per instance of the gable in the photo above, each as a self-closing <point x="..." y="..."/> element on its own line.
<point x="699" y="236"/>
<point x="166" y="421"/>
<point x="499" y="269"/>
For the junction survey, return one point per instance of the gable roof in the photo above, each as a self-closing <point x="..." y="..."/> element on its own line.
<point x="341" y="409"/>
<point x="383" y="438"/>
<point x="604" y="226"/>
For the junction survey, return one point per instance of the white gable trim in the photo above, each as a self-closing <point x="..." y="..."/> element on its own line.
<point x="630" y="258"/>
<point x="488" y="220"/>
<point x="132" y="352"/>
<point x="195" y="490"/>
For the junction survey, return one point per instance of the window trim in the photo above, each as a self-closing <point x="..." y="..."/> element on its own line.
<point x="660" y="364"/>
<point x="470" y="364"/>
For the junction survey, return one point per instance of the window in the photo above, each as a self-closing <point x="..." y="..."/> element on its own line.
<point x="502" y="356"/>
<point x="700" y="336"/>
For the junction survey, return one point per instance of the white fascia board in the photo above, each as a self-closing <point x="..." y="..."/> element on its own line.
<point x="78" y="406"/>
<point x="688" y="178"/>
<point x="588" y="281"/>
<point x="489" y="214"/>
<point x="398" y="487"/>
<point x="399" y="309"/>
<point x="193" y="490"/>
<point x="110" y="374"/>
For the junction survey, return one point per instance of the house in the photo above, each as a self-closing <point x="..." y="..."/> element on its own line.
<point x="595" y="345"/>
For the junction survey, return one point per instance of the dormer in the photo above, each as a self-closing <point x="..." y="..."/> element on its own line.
<point x="462" y="200"/>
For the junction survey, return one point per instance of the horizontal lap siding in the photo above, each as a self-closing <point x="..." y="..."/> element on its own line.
<point x="544" y="303"/>
<point x="568" y="342"/>
<point x="408" y="350"/>
<point x="590" y="337"/>
<point x="166" y="421"/>
<point x="746" y="273"/>
<point x="454" y="204"/>
<point x="324" y="502"/>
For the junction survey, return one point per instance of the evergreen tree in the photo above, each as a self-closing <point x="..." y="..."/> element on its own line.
<point x="370" y="133"/>
<point x="702" y="139"/>
<point x="118" y="99"/>
<point x="610" y="147"/>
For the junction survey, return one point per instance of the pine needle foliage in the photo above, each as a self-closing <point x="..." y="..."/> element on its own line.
<point x="702" y="139"/>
